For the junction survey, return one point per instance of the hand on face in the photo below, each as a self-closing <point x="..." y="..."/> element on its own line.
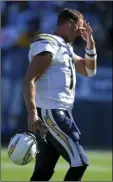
<point x="86" y="34"/>
<point x="83" y="29"/>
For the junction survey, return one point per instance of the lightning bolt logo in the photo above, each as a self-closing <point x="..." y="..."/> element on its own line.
<point x="27" y="156"/>
<point x="13" y="147"/>
<point x="59" y="133"/>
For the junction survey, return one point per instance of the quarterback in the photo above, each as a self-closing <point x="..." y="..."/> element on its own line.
<point x="49" y="92"/>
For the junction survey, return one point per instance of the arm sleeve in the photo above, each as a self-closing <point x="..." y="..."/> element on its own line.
<point x="41" y="46"/>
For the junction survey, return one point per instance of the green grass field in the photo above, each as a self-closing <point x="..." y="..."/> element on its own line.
<point x="100" y="168"/>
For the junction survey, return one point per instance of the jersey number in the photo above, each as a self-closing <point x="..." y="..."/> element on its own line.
<point x="71" y="82"/>
<point x="71" y="75"/>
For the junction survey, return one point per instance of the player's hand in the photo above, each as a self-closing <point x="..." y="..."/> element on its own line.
<point x="87" y="36"/>
<point x="34" y="123"/>
<point x="87" y="33"/>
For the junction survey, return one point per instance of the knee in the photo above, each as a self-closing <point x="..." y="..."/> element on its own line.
<point x="42" y="175"/>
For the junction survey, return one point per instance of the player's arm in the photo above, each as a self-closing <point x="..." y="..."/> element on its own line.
<point x="87" y="65"/>
<point x="36" y="68"/>
<point x="84" y="66"/>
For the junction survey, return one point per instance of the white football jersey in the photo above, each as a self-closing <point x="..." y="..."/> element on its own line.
<point x="55" y="89"/>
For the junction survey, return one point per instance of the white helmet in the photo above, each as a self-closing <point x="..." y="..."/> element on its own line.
<point x="22" y="148"/>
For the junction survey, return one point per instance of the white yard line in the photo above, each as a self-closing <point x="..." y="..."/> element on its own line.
<point x="95" y="168"/>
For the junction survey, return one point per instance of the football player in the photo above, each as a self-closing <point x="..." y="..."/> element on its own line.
<point x="49" y="92"/>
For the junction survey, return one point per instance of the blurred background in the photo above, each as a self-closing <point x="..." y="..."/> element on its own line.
<point x="20" y="22"/>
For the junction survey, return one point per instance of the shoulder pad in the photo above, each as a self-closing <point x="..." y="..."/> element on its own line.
<point x="47" y="38"/>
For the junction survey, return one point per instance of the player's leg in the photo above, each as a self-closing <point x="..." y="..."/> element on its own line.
<point x="76" y="173"/>
<point x="64" y="135"/>
<point x="45" y="161"/>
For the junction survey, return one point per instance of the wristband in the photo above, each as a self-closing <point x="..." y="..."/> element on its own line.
<point x="92" y="57"/>
<point x="90" y="54"/>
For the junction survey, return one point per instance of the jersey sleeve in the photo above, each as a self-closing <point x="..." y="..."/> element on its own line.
<point x="41" y="46"/>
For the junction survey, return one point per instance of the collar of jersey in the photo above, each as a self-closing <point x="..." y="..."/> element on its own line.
<point x="61" y="40"/>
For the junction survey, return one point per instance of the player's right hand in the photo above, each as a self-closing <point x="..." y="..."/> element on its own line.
<point x="34" y="123"/>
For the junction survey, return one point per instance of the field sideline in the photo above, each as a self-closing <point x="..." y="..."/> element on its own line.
<point x="100" y="168"/>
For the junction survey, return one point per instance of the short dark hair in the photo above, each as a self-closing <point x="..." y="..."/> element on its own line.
<point x="67" y="14"/>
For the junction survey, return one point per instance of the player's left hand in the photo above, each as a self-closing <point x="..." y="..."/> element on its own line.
<point x="87" y="33"/>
